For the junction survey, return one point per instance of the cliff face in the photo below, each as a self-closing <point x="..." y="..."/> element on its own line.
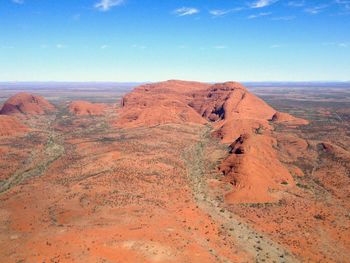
<point x="233" y="110"/>
<point x="237" y="117"/>
<point x="26" y="103"/>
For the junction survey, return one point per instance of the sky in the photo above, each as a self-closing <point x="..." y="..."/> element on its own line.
<point x="154" y="40"/>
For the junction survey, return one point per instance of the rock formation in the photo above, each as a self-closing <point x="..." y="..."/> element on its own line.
<point x="86" y="108"/>
<point x="26" y="103"/>
<point x="236" y="115"/>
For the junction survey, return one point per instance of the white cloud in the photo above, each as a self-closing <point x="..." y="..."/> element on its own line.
<point x="222" y="12"/>
<point x="344" y="3"/>
<point x="283" y="18"/>
<point x="105" y="5"/>
<point x="262" y="3"/>
<point x="186" y="11"/>
<point x="296" y="3"/>
<point x="18" y="1"/>
<point x="259" y="15"/>
<point x="219" y="12"/>
<point x="315" y="10"/>
<point x="104" y="46"/>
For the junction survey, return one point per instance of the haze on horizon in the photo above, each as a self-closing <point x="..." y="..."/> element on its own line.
<point x="151" y="40"/>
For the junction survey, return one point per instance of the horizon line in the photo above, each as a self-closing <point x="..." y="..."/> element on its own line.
<point x="155" y="81"/>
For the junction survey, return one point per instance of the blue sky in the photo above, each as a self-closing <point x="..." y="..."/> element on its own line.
<point x="151" y="40"/>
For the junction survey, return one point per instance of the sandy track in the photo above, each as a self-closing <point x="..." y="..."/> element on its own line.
<point x="257" y="244"/>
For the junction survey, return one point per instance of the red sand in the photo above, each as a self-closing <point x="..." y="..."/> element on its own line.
<point x="158" y="186"/>
<point x="10" y="126"/>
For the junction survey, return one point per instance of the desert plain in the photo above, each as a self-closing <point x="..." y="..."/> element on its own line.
<point x="175" y="171"/>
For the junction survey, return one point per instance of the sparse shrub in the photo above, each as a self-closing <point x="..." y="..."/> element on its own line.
<point x="319" y="217"/>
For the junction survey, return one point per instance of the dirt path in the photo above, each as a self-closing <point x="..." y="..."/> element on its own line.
<point x="257" y="244"/>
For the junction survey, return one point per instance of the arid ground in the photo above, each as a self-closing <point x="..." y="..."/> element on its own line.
<point x="175" y="172"/>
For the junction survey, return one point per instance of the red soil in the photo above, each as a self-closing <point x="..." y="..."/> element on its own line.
<point x="121" y="199"/>
<point x="147" y="192"/>
<point x="25" y="103"/>
<point x="10" y="126"/>
<point x="87" y="108"/>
